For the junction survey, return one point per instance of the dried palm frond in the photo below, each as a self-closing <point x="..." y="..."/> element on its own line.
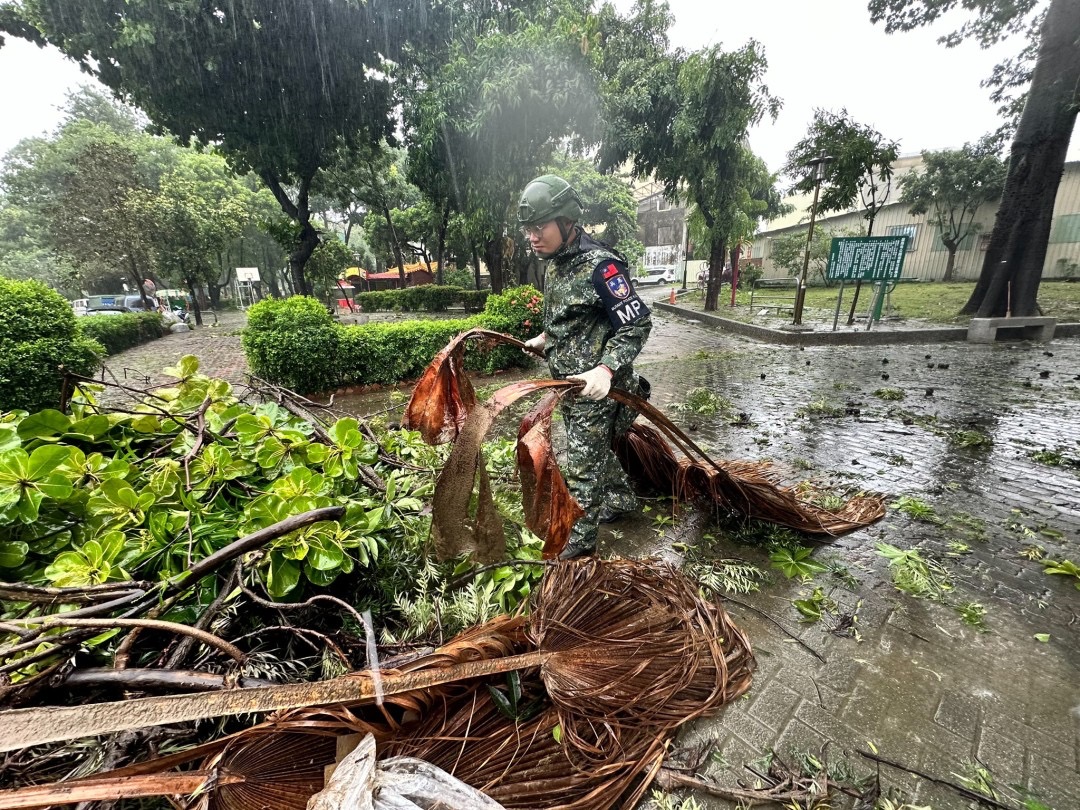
<point x="636" y="645"/>
<point x="452" y="531"/>
<point x="443" y="407"/>
<point x="279" y="771"/>
<point x="444" y="395"/>
<point x="645" y="451"/>
<point x="747" y="487"/>
<point x="550" y="509"/>
<point x="625" y="651"/>
<point x="523" y="763"/>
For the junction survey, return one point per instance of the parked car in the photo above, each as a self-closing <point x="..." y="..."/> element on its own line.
<point x="119" y="304"/>
<point x="660" y="274"/>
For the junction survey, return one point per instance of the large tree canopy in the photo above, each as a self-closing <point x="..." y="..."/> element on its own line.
<point x="950" y="187"/>
<point x="277" y="84"/>
<point x="859" y="169"/>
<point x="1012" y="269"/>
<point x="691" y="138"/>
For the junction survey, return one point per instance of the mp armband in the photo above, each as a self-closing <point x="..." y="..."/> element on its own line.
<point x="616" y="293"/>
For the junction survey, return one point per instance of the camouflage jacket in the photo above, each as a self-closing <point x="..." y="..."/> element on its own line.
<point x="591" y="313"/>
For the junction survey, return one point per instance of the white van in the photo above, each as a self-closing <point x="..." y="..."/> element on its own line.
<point x="80" y="305"/>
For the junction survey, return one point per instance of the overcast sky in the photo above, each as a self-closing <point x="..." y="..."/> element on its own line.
<point x="822" y="53"/>
<point x="827" y="54"/>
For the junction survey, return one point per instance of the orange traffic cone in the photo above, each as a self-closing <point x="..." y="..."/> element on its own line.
<point x="671" y="297"/>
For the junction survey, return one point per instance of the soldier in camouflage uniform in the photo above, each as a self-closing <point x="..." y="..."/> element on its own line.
<point x="594" y="327"/>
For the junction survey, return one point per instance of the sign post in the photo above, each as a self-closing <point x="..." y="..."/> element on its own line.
<point x="246" y="277"/>
<point x="866" y="258"/>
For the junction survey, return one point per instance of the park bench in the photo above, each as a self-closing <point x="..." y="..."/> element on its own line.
<point x="773" y="293"/>
<point x="989" y="330"/>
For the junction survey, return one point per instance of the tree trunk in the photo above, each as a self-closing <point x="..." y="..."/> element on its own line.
<point x="441" y="255"/>
<point x="195" y="308"/>
<point x="950" y="265"/>
<point x="735" y="253"/>
<point x="270" y="262"/>
<point x="475" y="264"/>
<point x="1013" y="266"/>
<point x="717" y="254"/>
<point x="305" y="246"/>
<point x="397" y="247"/>
<point x="136" y="278"/>
<point x="858" y="282"/>
<point x="493" y="255"/>
<point x="299" y="213"/>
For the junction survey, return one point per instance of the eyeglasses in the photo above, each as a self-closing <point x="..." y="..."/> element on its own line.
<point x="533" y="230"/>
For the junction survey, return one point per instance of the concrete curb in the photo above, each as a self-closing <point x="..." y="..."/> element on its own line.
<point x="861" y="338"/>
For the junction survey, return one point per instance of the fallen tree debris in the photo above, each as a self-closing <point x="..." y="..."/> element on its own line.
<point x="619" y="654"/>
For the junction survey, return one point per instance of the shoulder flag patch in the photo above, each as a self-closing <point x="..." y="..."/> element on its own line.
<point x="617" y="294"/>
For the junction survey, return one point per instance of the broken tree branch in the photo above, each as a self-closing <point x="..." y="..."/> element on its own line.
<point x="967" y="793"/>
<point x="668" y="779"/>
<point x="170" y="679"/>
<point x="44" y="623"/>
<point x="252" y="541"/>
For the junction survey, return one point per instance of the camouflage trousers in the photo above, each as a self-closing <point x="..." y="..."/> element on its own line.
<point x="592" y="471"/>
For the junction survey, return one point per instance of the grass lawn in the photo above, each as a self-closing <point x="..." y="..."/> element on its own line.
<point x="934" y="302"/>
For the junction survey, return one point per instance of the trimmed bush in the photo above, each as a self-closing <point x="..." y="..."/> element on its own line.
<point x="388" y="353"/>
<point x="119" y="332"/>
<point x="322" y="354"/>
<point x="425" y="298"/>
<point x="38" y="341"/>
<point x="293" y="342"/>
<point x="474" y="300"/>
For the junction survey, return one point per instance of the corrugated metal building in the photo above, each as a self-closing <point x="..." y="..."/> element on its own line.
<point x="927" y="257"/>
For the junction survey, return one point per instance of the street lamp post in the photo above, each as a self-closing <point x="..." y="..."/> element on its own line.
<point x="818" y="166"/>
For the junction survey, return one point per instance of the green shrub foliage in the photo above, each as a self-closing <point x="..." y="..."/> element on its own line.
<point x="425" y="298"/>
<point x="96" y="497"/>
<point x="295" y="342"/>
<point x="38" y="342"/>
<point x="119" y="332"/>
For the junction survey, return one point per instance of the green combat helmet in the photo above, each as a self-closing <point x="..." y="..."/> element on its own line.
<point x="546" y="198"/>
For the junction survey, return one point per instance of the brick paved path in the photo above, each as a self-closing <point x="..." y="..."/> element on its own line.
<point x="921" y="686"/>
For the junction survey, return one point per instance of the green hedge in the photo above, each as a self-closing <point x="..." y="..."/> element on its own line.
<point x="295" y="342"/>
<point x="38" y="340"/>
<point x="292" y="342"/>
<point x="119" y="332"/>
<point x="425" y="298"/>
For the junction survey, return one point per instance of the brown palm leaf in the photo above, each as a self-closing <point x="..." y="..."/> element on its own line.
<point x="634" y="644"/>
<point x="550" y="509"/>
<point x="452" y="530"/>
<point x="522" y="763"/>
<point x="647" y="455"/>
<point x="663" y="654"/>
<point x="746" y="487"/>
<point x="444" y="395"/>
<point x="443" y="406"/>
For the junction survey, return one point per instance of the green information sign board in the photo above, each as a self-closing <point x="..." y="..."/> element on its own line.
<point x="866" y="258"/>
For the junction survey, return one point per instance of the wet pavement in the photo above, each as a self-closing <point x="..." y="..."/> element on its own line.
<point x="985" y="436"/>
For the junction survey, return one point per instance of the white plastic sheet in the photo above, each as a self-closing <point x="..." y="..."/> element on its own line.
<point x="398" y="783"/>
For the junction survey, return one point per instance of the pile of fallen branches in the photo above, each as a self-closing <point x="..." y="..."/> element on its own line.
<point x="189" y="538"/>
<point x="613" y="659"/>
<point x="312" y="498"/>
